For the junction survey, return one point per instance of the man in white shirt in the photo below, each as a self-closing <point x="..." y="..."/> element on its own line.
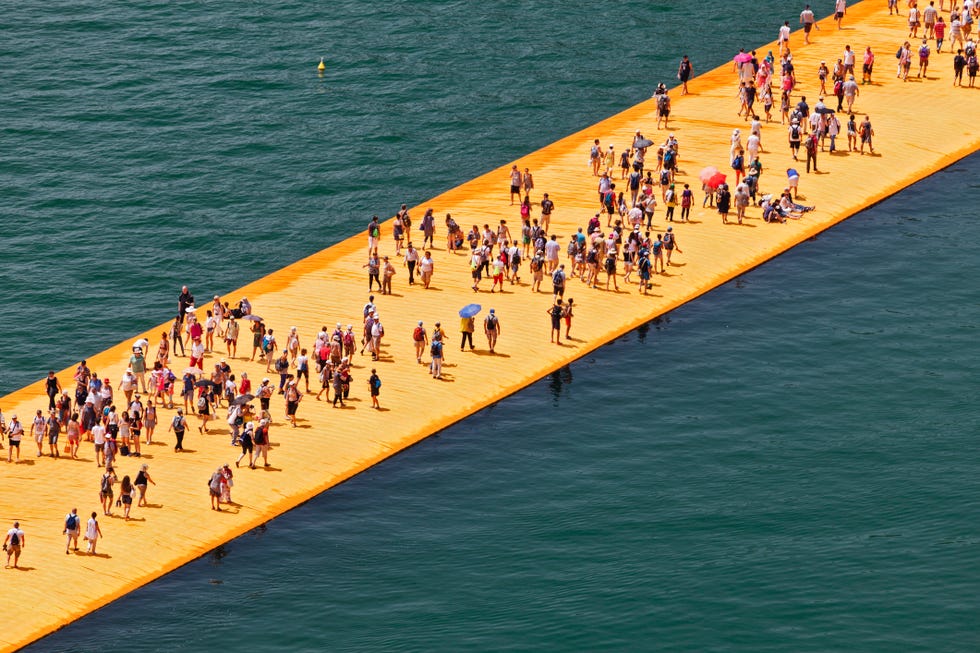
<point x="98" y="437"/>
<point x="783" y="38"/>
<point x="552" y="249"/>
<point x="14" y="434"/>
<point x="38" y="429"/>
<point x="13" y="544"/>
<point x="807" y="20"/>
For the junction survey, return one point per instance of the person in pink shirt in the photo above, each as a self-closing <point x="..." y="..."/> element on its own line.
<point x="868" y="65"/>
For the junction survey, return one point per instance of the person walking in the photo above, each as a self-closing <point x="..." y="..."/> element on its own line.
<point x="92" y="534"/>
<point x="670" y="243"/>
<point x="466" y="327"/>
<point x="684" y="72"/>
<point x="491" y="328"/>
<point x="142" y="478"/>
<point x="261" y="440"/>
<point x="52" y="387"/>
<point x="866" y="132"/>
<point x="293" y="397"/>
<point x="810" y="146"/>
<point x="435" y="351"/>
<point x="73" y="527"/>
<point x="105" y="489"/>
<point x="374" y="384"/>
<point x="421" y="340"/>
<point x="387" y="272"/>
<point x="39" y="428"/>
<point x="410" y="260"/>
<point x="247" y="444"/>
<point x="126" y="495"/>
<point x="14" y="434"/>
<point x="14" y="543"/>
<point x="178" y="425"/>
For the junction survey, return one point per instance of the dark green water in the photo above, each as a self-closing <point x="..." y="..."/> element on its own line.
<point x="786" y="464"/>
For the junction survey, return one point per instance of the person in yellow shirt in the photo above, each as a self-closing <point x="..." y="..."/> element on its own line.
<point x="466" y="328"/>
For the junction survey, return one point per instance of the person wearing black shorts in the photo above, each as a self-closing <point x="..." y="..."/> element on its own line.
<point x="684" y="71"/>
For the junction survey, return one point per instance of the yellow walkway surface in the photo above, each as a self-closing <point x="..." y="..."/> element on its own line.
<point x="921" y="126"/>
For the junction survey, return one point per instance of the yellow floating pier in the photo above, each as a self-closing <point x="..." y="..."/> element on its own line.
<point x="921" y="126"/>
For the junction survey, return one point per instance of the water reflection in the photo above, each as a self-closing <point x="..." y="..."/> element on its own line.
<point x="557" y="381"/>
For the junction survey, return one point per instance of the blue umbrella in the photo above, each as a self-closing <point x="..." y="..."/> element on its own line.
<point x="470" y="310"/>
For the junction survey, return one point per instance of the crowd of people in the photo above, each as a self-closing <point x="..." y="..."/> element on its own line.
<point x="622" y="242"/>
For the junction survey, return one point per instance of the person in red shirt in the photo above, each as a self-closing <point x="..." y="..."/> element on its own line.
<point x="939" y="30"/>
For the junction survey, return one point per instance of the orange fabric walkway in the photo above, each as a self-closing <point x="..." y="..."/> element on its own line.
<point x="921" y="126"/>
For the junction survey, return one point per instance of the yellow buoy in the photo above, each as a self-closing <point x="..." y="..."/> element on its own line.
<point x="322" y="66"/>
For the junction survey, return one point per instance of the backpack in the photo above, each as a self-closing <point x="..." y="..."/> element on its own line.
<point x="491" y="322"/>
<point x="177" y="422"/>
<point x="202" y="403"/>
<point x="375" y="231"/>
<point x="348" y="338"/>
<point x="811" y="144"/>
<point x="664" y="175"/>
<point x="594" y="152"/>
<point x="838" y="87"/>
<point x="737" y="162"/>
<point x="106" y="485"/>
<point x="971" y="62"/>
<point x="71" y="523"/>
<point x="418" y="335"/>
<point x="558" y="278"/>
<point x="15" y="539"/>
<point x="898" y="55"/>
<point x="381" y="329"/>
<point x="266" y="343"/>
<point x="794" y="132"/>
<point x="376" y="383"/>
<point x="662" y="101"/>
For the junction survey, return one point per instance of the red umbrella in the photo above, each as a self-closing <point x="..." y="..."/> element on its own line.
<point x="707" y="173"/>
<point x="716" y="181"/>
